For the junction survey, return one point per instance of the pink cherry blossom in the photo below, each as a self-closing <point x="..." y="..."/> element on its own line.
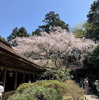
<point x="58" y="41"/>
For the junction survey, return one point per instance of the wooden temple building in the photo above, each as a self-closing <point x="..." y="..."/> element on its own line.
<point x="15" y="68"/>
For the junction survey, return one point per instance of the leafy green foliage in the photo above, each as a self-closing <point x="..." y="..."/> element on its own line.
<point x="79" y="30"/>
<point x="17" y="33"/>
<point x="3" y="39"/>
<point x="63" y="75"/>
<point x="87" y="30"/>
<point x="75" y="91"/>
<point x="79" y="33"/>
<point x="52" y="19"/>
<point x="36" y="32"/>
<point x="37" y="93"/>
<point x="93" y="15"/>
<point x="49" y="75"/>
<point x="48" y="90"/>
<point x="93" y="19"/>
<point x="13" y="35"/>
<point x="59" y="86"/>
<point x="92" y="31"/>
<point x="60" y="74"/>
<point x="80" y="25"/>
<point x="93" y="59"/>
<point x="22" y="32"/>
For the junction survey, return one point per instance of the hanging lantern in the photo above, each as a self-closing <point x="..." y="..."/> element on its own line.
<point x="10" y="74"/>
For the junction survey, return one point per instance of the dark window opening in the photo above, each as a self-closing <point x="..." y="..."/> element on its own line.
<point x="26" y="78"/>
<point x="19" y="78"/>
<point x="10" y="76"/>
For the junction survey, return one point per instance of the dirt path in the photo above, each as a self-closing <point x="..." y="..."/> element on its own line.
<point x="91" y="97"/>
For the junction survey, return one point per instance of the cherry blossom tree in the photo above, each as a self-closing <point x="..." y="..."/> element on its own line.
<point x="58" y="46"/>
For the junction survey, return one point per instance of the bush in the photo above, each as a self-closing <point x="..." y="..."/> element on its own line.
<point x="27" y="85"/>
<point x="63" y="75"/>
<point x="37" y="93"/>
<point x="59" y="86"/>
<point x="75" y="91"/>
<point x="82" y="98"/>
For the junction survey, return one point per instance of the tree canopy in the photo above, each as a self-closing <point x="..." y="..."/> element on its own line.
<point x="79" y="33"/>
<point x="56" y="46"/>
<point x="79" y="30"/>
<point x="93" y="15"/>
<point x="91" y="28"/>
<point x="17" y="33"/>
<point x="93" y="59"/>
<point x="36" y="32"/>
<point x="93" y="21"/>
<point x="52" y="19"/>
<point x="3" y="39"/>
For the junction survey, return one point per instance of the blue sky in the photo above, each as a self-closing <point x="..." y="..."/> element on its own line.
<point x="30" y="13"/>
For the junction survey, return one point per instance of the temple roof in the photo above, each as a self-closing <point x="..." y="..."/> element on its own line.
<point x="9" y="57"/>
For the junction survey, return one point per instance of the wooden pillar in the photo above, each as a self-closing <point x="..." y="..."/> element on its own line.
<point x="33" y="77"/>
<point x="15" y="80"/>
<point x="4" y="78"/>
<point x="23" y="77"/>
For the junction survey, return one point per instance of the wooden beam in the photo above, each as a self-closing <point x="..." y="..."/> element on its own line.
<point x="19" y="66"/>
<point x="15" y="80"/>
<point x="7" y="68"/>
<point x="4" y="78"/>
<point x="16" y="56"/>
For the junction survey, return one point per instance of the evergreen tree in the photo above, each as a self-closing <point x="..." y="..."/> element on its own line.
<point x="52" y="19"/>
<point x="93" y="21"/>
<point x="93" y="15"/>
<point x="13" y="35"/>
<point x="3" y="39"/>
<point x="36" y="32"/>
<point x="22" y="32"/>
<point x="17" y="33"/>
<point x="93" y="59"/>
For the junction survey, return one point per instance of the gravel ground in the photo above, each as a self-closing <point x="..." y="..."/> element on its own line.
<point x="91" y="97"/>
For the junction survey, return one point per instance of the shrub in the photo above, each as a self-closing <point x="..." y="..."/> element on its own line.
<point x="75" y="91"/>
<point x="59" y="86"/>
<point x="63" y="75"/>
<point x="27" y="85"/>
<point x="37" y="93"/>
<point x="82" y="98"/>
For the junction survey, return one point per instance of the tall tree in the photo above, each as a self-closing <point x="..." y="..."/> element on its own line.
<point x="93" y="59"/>
<point x="17" y="33"/>
<point x="60" y="49"/>
<point x="93" y="15"/>
<point x="3" y="39"/>
<point x="22" y="32"/>
<point x="79" y="30"/>
<point x="93" y="21"/>
<point x="56" y="46"/>
<point x="36" y="32"/>
<point x="13" y="35"/>
<point x="52" y="19"/>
